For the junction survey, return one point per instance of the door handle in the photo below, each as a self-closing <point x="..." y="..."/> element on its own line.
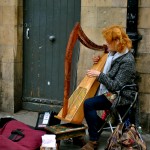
<point x="52" y="38"/>
<point x="27" y="33"/>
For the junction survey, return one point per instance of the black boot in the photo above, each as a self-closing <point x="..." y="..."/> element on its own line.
<point x="79" y="141"/>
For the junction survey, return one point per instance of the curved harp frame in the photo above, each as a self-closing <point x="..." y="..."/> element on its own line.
<point x="76" y="34"/>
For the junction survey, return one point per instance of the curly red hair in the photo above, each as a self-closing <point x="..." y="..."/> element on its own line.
<point x="116" y="33"/>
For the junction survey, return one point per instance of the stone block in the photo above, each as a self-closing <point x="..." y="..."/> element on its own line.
<point x="88" y="3"/>
<point x="20" y="16"/>
<point x="94" y="34"/>
<point x="7" y="89"/>
<point x="145" y="121"/>
<point x="104" y="3"/>
<point x="144" y="44"/>
<point x="18" y="70"/>
<point x="19" y="54"/>
<point x="18" y="91"/>
<point x="1" y="34"/>
<point x="20" y="36"/>
<point x="7" y="105"/>
<point x="8" y="35"/>
<point x="2" y="49"/>
<point x="8" y="54"/>
<point x="17" y="94"/>
<point x="120" y="3"/>
<point x="143" y="18"/>
<point x="0" y="75"/>
<point x="144" y="102"/>
<point x="111" y="3"/>
<point x="144" y="83"/>
<point x="7" y="71"/>
<point x="144" y="3"/>
<point x="110" y="16"/>
<point x="1" y="15"/>
<point x="17" y="104"/>
<point x="85" y="57"/>
<point x="20" y="3"/>
<point x="142" y="63"/>
<point x="8" y="2"/>
<point x="9" y="15"/>
<point x="89" y="16"/>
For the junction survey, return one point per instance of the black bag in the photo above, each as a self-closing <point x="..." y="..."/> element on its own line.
<point x="46" y="119"/>
<point x="125" y="139"/>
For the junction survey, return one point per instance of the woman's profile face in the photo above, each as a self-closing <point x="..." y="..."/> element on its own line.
<point x="111" y="46"/>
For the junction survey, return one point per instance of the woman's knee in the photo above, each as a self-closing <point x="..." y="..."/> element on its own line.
<point x="87" y="103"/>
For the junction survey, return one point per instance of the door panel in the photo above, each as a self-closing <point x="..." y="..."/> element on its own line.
<point x="48" y="24"/>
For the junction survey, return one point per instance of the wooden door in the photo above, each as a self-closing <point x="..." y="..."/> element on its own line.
<point x="47" y="25"/>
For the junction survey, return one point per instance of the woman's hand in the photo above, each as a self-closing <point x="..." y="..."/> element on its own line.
<point x="93" y="73"/>
<point x="96" y="59"/>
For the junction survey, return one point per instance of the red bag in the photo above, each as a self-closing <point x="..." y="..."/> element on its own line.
<point x="27" y="139"/>
<point x="7" y="144"/>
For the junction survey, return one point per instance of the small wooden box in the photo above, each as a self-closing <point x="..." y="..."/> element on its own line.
<point x="66" y="131"/>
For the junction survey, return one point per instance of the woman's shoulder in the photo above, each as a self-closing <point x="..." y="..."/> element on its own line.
<point x="128" y="57"/>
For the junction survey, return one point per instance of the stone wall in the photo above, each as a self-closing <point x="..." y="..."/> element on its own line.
<point x="143" y="63"/>
<point x="10" y="54"/>
<point x="95" y="15"/>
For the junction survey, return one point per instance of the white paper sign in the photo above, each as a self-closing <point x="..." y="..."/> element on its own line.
<point x="49" y="140"/>
<point x="46" y="118"/>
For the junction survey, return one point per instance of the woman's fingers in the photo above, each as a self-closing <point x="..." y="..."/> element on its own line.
<point x="96" y="59"/>
<point x="93" y="73"/>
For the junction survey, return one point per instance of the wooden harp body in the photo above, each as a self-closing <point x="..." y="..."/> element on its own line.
<point x="72" y="110"/>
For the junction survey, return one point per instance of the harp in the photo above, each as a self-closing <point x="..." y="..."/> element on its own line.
<point x="72" y="110"/>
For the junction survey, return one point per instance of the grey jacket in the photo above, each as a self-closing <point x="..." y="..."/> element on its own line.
<point x="121" y="73"/>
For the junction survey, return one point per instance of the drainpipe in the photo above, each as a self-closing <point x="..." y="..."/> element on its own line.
<point x="132" y="20"/>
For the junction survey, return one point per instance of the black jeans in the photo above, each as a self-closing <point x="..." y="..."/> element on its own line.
<point x="94" y="122"/>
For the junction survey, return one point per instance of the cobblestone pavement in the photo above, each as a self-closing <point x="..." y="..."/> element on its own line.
<point x="30" y="118"/>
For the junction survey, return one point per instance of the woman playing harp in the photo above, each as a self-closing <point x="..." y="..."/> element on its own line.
<point x="118" y="71"/>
